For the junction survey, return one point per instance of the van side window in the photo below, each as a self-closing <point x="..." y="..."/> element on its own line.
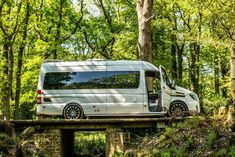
<point x="91" y="80"/>
<point x="123" y="79"/>
<point x="74" y="80"/>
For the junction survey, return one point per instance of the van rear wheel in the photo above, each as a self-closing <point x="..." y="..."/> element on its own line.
<point x="178" y="109"/>
<point x="73" y="111"/>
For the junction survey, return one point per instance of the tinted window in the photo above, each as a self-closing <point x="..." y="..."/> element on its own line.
<point x="74" y="80"/>
<point x="91" y="80"/>
<point x="123" y="79"/>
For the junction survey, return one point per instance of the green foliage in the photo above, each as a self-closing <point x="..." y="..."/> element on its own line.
<point x="118" y="154"/>
<point x="231" y="151"/>
<point x="7" y="145"/>
<point x="89" y="144"/>
<point x="92" y="29"/>
<point x="196" y="136"/>
<point x="211" y="105"/>
<point x="164" y="153"/>
<point x="29" y="83"/>
<point x="212" y="137"/>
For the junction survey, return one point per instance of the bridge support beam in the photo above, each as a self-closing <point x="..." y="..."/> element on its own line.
<point x="67" y="143"/>
<point x="114" y="141"/>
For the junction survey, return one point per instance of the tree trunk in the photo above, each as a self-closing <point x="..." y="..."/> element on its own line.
<point x="144" y="45"/>
<point x="4" y="97"/>
<point x="195" y="55"/>
<point x="144" y="13"/>
<point x="216" y="75"/>
<point x="173" y="56"/>
<point x="7" y="77"/>
<point x="194" y="67"/>
<point x="19" y="62"/>
<point x="224" y="70"/>
<point x="174" y="48"/>
<point x="58" y="27"/>
<point x="233" y="71"/>
<point x="180" y="63"/>
<point x="231" y="111"/>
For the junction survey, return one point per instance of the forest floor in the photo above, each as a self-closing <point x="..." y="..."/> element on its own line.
<point x="199" y="136"/>
<point x="196" y="137"/>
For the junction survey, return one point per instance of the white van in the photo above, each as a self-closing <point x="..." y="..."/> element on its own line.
<point x="110" y="88"/>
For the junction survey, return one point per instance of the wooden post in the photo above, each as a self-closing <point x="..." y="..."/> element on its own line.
<point x="67" y="143"/>
<point x="114" y="141"/>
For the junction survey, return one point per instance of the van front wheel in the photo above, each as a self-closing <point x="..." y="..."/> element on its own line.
<point x="73" y="111"/>
<point x="178" y="109"/>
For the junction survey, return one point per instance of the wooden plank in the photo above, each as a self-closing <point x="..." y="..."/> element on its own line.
<point x="93" y="124"/>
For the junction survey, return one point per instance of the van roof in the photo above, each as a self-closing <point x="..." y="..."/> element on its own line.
<point x="145" y="65"/>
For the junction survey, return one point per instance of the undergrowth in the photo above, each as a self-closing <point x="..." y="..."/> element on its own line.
<point x="196" y="137"/>
<point x="89" y="144"/>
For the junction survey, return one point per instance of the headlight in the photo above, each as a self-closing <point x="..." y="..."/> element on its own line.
<point x="193" y="96"/>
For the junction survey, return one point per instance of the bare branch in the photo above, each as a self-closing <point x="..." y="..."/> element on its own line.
<point x="88" y="43"/>
<point x="76" y="24"/>
<point x="107" y="44"/>
<point x="106" y="15"/>
<point x="40" y="35"/>
<point x="182" y="17"/>
<point x="227" y="30"/>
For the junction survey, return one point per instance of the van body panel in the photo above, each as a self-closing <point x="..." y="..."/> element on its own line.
<point x="182" y="94"/>
<point x="93" y="101"/>
<point x="50" y="109"/>
<point x="131" y="98"/>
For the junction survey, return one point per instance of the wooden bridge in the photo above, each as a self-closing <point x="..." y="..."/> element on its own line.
<point x="64" y="130"/>
<point x="95" y="124"/>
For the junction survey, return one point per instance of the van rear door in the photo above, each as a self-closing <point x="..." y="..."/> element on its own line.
<point x="165" y="88"/>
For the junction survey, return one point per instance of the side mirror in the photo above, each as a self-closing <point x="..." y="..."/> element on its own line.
<point x="173" y="84"/>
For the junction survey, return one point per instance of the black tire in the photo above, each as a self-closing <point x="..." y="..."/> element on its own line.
<point x="178" y="109"/>
<point x="73" y="111"/>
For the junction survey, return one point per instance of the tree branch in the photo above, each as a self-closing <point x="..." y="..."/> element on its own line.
<point x="88" y="43"/>
<point x="16" y="26"/>
<point x="40" y="35"/>
<point x="182" y="16"/>
<point x="76" y="24"/>
<point x="1" y="6"/>
<point x="107" y="44"/>
<point x="107" y="17"/>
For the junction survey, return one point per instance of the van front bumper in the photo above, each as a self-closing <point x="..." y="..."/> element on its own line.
<point x="194" y="106"/>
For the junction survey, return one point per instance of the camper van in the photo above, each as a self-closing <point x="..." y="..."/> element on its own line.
<point x="81" y="89"/>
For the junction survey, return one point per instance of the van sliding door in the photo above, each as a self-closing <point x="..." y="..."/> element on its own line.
<point x="124" y="94"/>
